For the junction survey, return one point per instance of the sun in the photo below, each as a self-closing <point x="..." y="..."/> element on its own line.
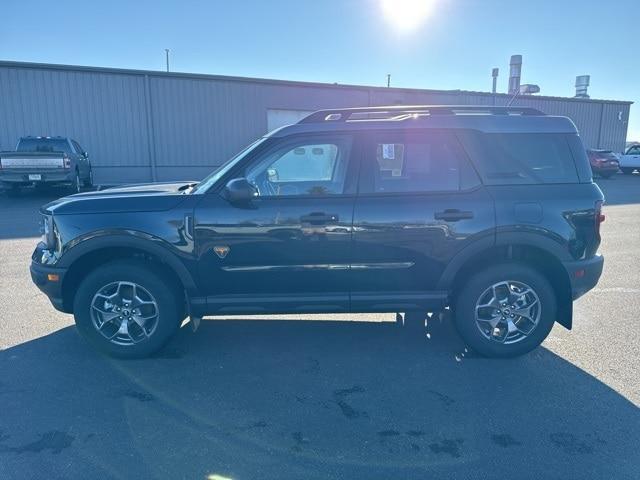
<point x="406" y="15"/>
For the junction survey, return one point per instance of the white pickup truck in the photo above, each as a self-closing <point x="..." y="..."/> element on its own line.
<point x="44" y="161"/>
<point x="630" y="161"/>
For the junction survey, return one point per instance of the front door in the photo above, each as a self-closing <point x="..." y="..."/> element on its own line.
<point x="289" y="248"/>
<point x="420" y="204"/>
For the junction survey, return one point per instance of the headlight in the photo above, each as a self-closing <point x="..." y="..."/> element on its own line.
<point x="46" y="228"/>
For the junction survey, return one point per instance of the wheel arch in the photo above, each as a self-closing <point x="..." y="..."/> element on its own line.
<point x="89" y="254"/>
<point x="533" y="255"/>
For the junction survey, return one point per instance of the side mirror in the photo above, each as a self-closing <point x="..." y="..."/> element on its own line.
<point x="239" y="190"/>
<point x="85" y="154"/>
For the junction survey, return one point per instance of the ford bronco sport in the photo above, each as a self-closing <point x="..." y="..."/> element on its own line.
<point x="488" y="212"/>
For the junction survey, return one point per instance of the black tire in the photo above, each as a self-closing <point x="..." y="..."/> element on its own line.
<point x="473" y="289"/>
<point x="88" y="182"/>
<point x="627" y="170"/>
<point x="169" y="307"/>
<point x="76" y="185"/>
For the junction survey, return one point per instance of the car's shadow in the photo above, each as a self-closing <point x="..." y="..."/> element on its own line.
<point x="307" y="399"/>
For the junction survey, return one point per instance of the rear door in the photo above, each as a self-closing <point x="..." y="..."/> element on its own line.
<point x="420" y="203"/>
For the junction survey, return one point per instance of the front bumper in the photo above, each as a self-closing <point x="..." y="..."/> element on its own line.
<point x="48" y="279"/>
<point x="584" y="274"/>
<point x="21" y="176"/>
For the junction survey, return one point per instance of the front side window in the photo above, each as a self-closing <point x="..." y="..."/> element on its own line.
<point x="78" y="148"/>
<point x="302" y="167"/>
<point x="634" y="150"/>
<point x="428" y="162"/>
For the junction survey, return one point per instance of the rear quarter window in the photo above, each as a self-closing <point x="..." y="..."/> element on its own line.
<point x="521" y="158"/>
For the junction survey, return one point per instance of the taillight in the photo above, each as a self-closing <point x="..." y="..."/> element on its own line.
<point x="67" y="161"/>
<point x="599" y="217"/>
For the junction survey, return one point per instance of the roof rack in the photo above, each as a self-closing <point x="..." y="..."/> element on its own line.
<point x="404" y="112"/>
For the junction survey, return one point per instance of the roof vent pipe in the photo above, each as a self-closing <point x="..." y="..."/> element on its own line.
<point x="515" y="71"/>
<point x="582" y="84"/>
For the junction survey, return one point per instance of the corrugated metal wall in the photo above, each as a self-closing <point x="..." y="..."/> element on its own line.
<point x="141" y="126"/>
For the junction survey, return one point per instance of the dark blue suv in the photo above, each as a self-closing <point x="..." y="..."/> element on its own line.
<point x="487" y="212"/>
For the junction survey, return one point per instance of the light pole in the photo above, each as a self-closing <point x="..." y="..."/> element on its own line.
<point x="166" y="51"/>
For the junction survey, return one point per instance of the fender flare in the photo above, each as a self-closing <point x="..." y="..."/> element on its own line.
<point x="129" y="239"/>
<point x="526" y="239"/>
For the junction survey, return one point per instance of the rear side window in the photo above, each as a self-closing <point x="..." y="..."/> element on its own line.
<point x="521" y="158"/>
<point x="410" y="162"/>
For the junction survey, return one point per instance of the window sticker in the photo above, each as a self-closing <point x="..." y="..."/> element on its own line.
<point x="390" y="158"/>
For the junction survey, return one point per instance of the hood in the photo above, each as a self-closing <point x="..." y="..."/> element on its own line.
<point x="142" y="197"/>
<point x="140" y="189"/>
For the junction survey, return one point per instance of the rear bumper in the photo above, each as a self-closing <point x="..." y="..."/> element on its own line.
<point x="21" y="176"/>
<point x="608" y="169"/>
<point x="584" y="274"/>
<point x="40" y="275"/>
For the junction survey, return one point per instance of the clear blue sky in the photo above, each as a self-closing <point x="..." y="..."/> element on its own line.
<point x="344" y="41"/>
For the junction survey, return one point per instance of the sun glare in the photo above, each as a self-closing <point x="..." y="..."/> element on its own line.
<point x="406" y="15"/>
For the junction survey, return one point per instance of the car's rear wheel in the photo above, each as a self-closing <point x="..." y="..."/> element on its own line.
<point x="126" y="310"/>
<point x="627" y="170"/>
<point x="506" y="310"/>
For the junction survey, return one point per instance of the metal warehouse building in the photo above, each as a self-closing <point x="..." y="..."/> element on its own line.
<point x="153" y="126"/>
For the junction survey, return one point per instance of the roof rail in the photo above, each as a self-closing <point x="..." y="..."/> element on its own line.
<point x="403" y="112"/>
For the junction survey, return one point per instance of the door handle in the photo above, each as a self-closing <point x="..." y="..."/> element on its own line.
<point x="453" y="215"/>
<point x="319" y="218"/>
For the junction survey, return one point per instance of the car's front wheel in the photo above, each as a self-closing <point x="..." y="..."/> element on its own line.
<point x="506" y="310"/>
<point x="126" y="310"/>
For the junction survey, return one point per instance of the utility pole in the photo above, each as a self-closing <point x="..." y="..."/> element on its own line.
<point x="166" y="51"/>
<point x="388" y="80"/>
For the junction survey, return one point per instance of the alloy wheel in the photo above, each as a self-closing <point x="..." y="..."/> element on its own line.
<point x="124" y="313"/>
<point x="507" y="312"/>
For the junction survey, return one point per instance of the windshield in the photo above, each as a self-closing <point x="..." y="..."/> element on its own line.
<point x="43" y="145"/>
<point x="214" y="176"/>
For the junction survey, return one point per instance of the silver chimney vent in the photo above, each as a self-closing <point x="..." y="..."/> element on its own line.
<point x="494" y="74"/>
<point x="515" y="70"/>
<point x="582" y="83"/>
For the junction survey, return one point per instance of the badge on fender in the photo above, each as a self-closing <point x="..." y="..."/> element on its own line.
<point x="222" y="250"/>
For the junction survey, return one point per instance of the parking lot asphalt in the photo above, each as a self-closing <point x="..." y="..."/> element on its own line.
<point x="323" y="398"/>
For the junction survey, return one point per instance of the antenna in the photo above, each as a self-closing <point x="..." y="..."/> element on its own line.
<point x="166" y="51"/>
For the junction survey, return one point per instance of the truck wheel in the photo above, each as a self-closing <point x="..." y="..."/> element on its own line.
<point x="88" y="182"/>
<point x="126" y="310"/>
<point x="505" y="311"/>
<point x="77" y="184"/>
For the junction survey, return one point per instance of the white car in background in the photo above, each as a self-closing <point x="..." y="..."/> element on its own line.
<point x="630" y="161"/>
